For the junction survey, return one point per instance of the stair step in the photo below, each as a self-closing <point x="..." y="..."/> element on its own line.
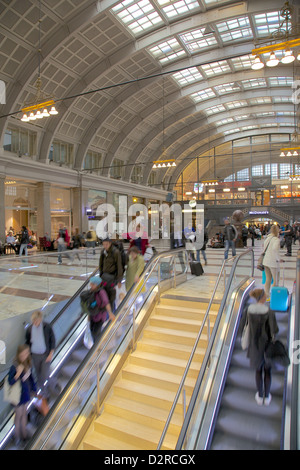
<point x="260" y="430"/>
<point x="243" y="400"/>
<point x="134" y="433"/>
<point x="169" y="349"/>
<point x="183" y="312"/>
<point x="100" y="441"/>
<point x="164" y="363"/>
<point x="143" y="413"/>
<point x="182" y="324"/>
<point x="143" y="393"/>
<point x="174" y="336"/>
<point x="187" y="303"/>
<point x="155" y="378"/>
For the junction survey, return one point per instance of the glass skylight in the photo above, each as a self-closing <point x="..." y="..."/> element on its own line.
<point x="195" y="41"/>
<point x="267" y="23"/>
<point x="254" y="83"/>
<point x="235" y="28"/>
<point x="242" y="117"/>
<point x="236" y="104"/>
<point x="167" y="51"/>
<point x="215" y="68"/>
<point x="282" y="99"/>
<point x="185" y="77"/>
<point x="223" y="122"/>
<point x="232" y="131"/>
<point x="281" y="81"/>
<point x="203" y="95"/>
<point x="227" y="88"/>
<point x="172" y="8"/>
<point x="137" y="16"/>
<point x="261" y="100"/>
<point x="243" y="62"/>
<point x="215" y="109"/>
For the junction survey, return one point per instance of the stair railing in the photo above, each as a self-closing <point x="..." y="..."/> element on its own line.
<point x="115" y="331"/>
<point x="205" y="319"/>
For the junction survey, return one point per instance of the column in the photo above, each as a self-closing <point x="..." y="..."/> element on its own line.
<point x="43" y="209"/>
<point x="2" y="208"/>
<point x="79" y="205"/>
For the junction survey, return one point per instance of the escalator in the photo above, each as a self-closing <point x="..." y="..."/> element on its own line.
<point x="223" y="413"/>
<point x="72" y="358"/>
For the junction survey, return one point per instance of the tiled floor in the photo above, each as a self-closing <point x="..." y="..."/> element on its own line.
<point x="26" y="286"/>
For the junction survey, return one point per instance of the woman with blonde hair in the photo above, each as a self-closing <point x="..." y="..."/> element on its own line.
<point x="272" y="258"/>
<point x="21" y="371"/>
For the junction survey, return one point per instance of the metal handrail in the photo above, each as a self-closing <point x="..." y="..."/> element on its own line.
<point x="179" y="390"/>
<point x="206" y="359"/>
<point x="94" y="355"/>
<point x="291" y="418"/>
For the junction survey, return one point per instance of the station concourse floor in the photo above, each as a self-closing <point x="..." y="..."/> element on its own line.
<point x="30" y="286"/>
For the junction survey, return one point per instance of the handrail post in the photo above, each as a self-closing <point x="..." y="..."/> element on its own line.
<point x="184" y="403"/>
<point x="98" y="389"/>
<point x="174" y="269"/>
<point x="159" y="279"/>
<point x="133" y="328"/>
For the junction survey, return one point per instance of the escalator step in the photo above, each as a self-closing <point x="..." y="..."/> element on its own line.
<point x="243" y="400"/>
<point x="245" y="379"/>
<point x="263" y="432"/>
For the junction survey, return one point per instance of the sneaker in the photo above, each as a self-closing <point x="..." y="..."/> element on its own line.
<point x="59" y="262"/>
<point x="268" y="400"/>
<point x="69" y="264"/>
<point x="259" y="400"/>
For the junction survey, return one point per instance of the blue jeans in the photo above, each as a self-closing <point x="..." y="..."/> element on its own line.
<point x="22" y="248"/>
<point x="203" y="254"/>
<point x="229" y="244"/>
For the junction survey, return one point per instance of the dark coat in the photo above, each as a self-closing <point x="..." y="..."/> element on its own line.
<point x="48" y="335"/>
<point x="263" y="326"/>
<point x="111" y="263"/>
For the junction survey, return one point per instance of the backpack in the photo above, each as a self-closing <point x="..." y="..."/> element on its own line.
<point x="89" y="235"/>
<point x="89" y="305"/>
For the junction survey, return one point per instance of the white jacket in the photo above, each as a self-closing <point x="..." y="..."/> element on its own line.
<point x="272" y="255"/>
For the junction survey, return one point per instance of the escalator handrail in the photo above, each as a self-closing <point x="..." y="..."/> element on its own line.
<point x="210" y="346"/>
<point x="291" y="424"/>
<point x="94" y="354"/>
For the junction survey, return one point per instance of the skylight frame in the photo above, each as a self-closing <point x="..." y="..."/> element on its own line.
<point x="187" y="76"/>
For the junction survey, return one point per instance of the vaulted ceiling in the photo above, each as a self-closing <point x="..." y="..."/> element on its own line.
<point x="145" y="80"/>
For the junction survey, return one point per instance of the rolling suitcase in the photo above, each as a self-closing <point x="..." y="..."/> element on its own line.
<point x="279" y="301"/>
<point x="196" y="268"/>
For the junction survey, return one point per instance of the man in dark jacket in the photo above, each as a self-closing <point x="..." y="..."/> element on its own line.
<point x="24" y="240"/>
<point x="110" y="269"/>
<point x="288" y="237"/>
<point x="230" y="236"/>
<point x="41" y="340"/>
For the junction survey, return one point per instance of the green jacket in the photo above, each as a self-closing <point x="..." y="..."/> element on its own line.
<point x="134" y="268"/>
<point x="111" y="263"/>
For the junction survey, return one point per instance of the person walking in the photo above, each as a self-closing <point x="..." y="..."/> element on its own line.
<point x="21" y="371"/>
<point x="99" y="310"/>
<point x="110" y="268"/>
<point x="77" y="243"/>
<point x="135" y="267"/>
<point x="288" y="237"/>
<point x="230" y="237"/>
<point x="245" y="235"/>
<point x="24" y="240"/>
<point x="201" y="239"/>
<point x="262" y="329"/>
<point x="41" y="340"/>
<point x="272" y="259"/>
<point x="91" y="239"/>
<point x="62" y="243"/>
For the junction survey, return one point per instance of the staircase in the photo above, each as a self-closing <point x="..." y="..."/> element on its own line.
<point x="135" y="412"/>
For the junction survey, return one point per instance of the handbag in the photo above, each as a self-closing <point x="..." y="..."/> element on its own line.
<point x="42" y="406"/>
<point x="260" y="265"/>
<point x="276" y="353"/>
<point x="245" y="340"/>
<point x="12" y="393"/>
<point x="88" y="339"/>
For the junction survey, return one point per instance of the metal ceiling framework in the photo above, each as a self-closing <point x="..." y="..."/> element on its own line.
<point x="85" y="47"/>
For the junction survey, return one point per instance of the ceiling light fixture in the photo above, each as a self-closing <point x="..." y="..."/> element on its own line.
<point x="38" y="108"/>
<point x="273" y="61"/>
<point x="288" y="57"/>
<point x="257" y="64"/>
